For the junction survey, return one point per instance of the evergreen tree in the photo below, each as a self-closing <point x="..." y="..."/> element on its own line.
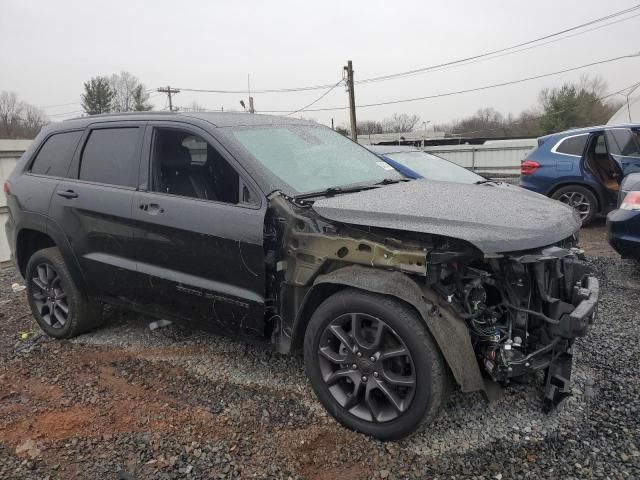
<point x="140" y="99"/>
<point x="97" y="96"/>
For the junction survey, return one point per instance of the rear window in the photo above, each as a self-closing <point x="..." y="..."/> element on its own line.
<point x="109" y="156"/>
<point x="54" y="157"/>
<point x="573" y="145"/>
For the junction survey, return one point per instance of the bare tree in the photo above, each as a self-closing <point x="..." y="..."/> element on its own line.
<point x="129" y="94"/>
<point x="400" y="123"/>
<point x="19" y="119"/>
<point x="33" y="120"/>
<point x="367" y="127"/>
<point x="10" y="114"/>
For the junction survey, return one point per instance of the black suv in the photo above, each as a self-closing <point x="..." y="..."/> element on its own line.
<point x="285" y="230"/>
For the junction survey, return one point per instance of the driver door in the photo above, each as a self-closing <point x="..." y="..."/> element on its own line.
<point x="198" y="237"/>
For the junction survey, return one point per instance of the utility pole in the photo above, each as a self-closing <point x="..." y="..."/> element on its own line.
<point x="352" y="101"/>
<point x="251" y="109"/>
<point x="168" y="90"/>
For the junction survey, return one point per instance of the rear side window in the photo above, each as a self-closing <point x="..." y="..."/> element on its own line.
<point x="54" y="157"/>
<point x="572" y="145"/>
<point x="623" y="142"/>
<point x="109" y="156"/>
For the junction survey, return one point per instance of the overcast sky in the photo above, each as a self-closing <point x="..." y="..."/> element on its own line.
<point x="49" y="48"/>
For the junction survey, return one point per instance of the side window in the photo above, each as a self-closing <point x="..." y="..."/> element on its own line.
<point x="54" y="157"/>
<point x="109" y="156"/>
<point x="573" y="145"/>
<point x="623" y="142"/>
<point x="185" y="164"/>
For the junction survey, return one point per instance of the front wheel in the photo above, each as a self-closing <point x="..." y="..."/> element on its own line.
<point x="581" y="199"/>
<point x="373" y="364"/>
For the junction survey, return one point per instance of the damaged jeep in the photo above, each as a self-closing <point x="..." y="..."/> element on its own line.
<point x="282" y="230"/>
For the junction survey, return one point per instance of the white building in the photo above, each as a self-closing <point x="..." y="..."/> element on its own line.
<point x="10" y="153"/>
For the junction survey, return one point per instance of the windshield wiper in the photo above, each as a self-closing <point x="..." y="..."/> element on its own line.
<point x="487" y="180"/>
<point x="328" y="192"/>
<point x="389" y="181"/>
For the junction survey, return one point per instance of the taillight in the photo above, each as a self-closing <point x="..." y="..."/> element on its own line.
<point x="7" y="188"/>
<point x="528" y="167"/>
<point x="631" y="201"/>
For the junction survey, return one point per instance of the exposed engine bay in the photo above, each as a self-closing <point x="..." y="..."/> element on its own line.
<point x="524" y="312"/>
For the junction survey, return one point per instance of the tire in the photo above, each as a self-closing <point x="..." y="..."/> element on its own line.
<point x="580" y="198"/>
<point x="51" y="290"/>
<point x="371" y="374"/>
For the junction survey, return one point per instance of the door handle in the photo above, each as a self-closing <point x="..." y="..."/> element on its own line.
<point x="151" y="208"/>
<point x="67" y="193"/>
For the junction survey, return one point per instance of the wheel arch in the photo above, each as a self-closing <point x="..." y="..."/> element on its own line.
<point x="28" y="242"/>
<point x="450" y="333"/>
<point x="596" y="193"/>
<point x="30" y="239"/>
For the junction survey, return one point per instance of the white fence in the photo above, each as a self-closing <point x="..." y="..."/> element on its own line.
<point x="492" y="157"/>
<point x="10" y="153"/>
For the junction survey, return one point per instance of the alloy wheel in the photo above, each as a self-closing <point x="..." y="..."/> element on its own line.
<point x="49" y="296"/>
<point x="367" y="367"/>
<point x="578" y="202"/>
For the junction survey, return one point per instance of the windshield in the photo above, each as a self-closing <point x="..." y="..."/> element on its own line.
<point x="435" y="168"/>
<point x="311" y="158"/>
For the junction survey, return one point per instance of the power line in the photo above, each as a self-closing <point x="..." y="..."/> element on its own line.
<point x="65" y="113"/>
<point x="316" y="100"/>
<point x="468" y="90"/>
<point x="42" y="107"/>
<point x="486" y="54"/>
<point x="471" y="59"/>
<point x="518" y="50"/>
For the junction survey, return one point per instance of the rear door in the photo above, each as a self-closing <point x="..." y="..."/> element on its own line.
<point x="199" y="232"/>
<point x="93" y="206"/>
<point x="624" y="148"/>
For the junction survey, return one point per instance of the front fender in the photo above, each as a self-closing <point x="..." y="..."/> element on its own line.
<point x="450" y="332"/>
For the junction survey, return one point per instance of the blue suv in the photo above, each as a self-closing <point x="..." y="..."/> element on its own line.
<point x="583" y="167"/>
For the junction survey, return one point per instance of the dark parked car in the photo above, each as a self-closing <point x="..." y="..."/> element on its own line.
<point x="583" y="167"/>
<point x="414" y="163"/>
<point x="284" y="230"/>
<point x="623" y="224"/>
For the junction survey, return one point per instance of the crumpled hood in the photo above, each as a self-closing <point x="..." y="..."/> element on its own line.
<point x="493" y="219"/>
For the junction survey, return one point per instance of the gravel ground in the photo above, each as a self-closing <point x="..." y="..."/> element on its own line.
<point x="177" y="403"/>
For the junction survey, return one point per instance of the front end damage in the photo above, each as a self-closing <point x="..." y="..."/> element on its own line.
<point x="524" y="311"/>
<point x="495" y="317"/>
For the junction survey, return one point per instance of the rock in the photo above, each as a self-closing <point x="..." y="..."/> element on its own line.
<point x="28" y="448"/>
<point x="159" y="324"/>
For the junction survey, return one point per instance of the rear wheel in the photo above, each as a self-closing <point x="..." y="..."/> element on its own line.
<point x="57" y="304"/>
<point x="581" y="199"/>
<point x="373" y="364"/>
